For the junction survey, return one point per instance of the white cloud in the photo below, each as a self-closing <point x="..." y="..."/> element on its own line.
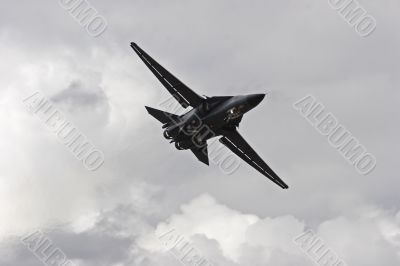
<point x="244" y="239"/>
<point x="290" y="48"/>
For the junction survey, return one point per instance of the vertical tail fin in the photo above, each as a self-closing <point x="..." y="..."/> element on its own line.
<point x="201" y="153"/>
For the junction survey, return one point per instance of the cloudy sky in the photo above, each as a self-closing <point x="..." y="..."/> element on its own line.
<point x="113" y="216"/>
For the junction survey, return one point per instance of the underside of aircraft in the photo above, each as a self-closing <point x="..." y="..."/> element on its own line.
<point x="207" y="117"/>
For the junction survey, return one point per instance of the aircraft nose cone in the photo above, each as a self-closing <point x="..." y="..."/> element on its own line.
<point x="255" y="99"/>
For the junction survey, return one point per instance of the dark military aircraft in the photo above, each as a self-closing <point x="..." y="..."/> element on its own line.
<point x="208" y="117"/>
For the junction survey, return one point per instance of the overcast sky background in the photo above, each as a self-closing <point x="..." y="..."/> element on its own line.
<point x="288" y="48"/>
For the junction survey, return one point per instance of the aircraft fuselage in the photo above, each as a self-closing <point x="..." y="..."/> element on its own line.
<point x="210" y="119"/>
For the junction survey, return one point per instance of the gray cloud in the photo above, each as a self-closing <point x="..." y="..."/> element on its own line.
<point x="288" y="48"/>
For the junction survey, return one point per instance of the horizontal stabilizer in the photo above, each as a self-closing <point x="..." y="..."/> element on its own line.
<point x="163" y="117"/>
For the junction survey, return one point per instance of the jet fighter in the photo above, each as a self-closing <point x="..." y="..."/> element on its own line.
<point x="208" y="117"/>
